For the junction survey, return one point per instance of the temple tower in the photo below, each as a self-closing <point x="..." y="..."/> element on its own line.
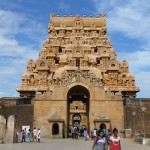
<point x="77" y="78"/>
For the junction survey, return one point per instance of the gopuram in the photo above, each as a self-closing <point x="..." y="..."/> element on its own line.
<point x="77" y="78"/>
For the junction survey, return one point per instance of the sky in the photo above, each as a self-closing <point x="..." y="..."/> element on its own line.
<point x="24" y="26"/>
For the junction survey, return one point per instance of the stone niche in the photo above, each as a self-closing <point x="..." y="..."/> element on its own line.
<point x="56" y="126"/>
<point x="102" y="121"/>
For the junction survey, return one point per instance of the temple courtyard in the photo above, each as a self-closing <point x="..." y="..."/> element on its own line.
<point x="68" y="144"/>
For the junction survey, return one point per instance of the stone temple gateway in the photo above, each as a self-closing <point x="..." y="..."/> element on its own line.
<point x="77" y="78"/>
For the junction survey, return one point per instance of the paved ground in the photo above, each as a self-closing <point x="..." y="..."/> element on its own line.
<point x="67" y="144"/>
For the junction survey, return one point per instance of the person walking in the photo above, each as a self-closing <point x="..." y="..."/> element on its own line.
<point x="31" y="135"/>
<point x="100" y="142"/>
<point x="20" y="136"/>
<point x="35" y="134"/>
<point x="77" y="133"/>
<point x="108" y="135"/>
<point x="81" y="131"/>
<point x="104" y="130"/>
<point x="23" y="136"/>
<point x="92" y="136"/>
<point x="28" y="136"/>
<point x="73" y="132"/>
<point x="38" y="135"/>
<point x="95" y="133"/>
<point x="115" y="141"/>
<point x="86" y="136"/>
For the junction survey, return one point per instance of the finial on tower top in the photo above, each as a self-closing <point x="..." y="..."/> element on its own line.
<point x="103" y="15"/>
<point x="52" y="15"/>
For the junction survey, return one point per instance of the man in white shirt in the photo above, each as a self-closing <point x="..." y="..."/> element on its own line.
<point x="35" y="134"/>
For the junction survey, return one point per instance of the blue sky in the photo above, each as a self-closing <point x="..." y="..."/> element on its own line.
<point x="23" y="30"/>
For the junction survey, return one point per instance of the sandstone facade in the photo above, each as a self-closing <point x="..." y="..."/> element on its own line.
<point x="77" y="78"/>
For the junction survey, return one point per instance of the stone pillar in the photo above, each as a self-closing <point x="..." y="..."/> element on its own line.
<point x="2" y="129"/>
<point x="10" y="129"/>
<point x="60" y="130"/>
<point x="51" y="124"/>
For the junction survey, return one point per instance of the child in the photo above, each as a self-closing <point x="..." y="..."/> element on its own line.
<point x="38" y="135"/>
<point x="92" y="136"/>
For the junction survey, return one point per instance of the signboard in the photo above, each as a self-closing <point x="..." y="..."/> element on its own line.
<point x="128" y="133"/>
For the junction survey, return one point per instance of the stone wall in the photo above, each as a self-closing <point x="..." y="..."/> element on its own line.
<point x="23" y="112"/>
<point x="2" y="129"/>
<point x="43" y="111"/>
<point x="141" y="121"/>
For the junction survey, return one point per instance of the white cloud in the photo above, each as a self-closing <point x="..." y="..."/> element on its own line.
<point x="132" y="19"/>
<point x="20" y="40"/>
<point x="142" y="79"/>
<point x="13" y="25"/>
<point x="129" y="17"/>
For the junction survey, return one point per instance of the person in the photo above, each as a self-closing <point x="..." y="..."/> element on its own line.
<point x="108" y="135"/>
<point x="81" y="131"/>
<point x="35" y="134"/>
<point x="77" y="132"/>
<point x="104" y="130"/>
<point x="73" y="132"/>
<point x="31" y="135"/>
<point x="92" y="136"/>
<point x="25" y="131"/>
<point x="28" y="136"/>
<point x="23" y="136"/>
<point x="20" y="136"/>
<point x="86" y="136"/>
<point x="100" y="142"/>
<point x="38" y="135"/>
<point x="115" y="141"/>
<point x="95" y="133"/>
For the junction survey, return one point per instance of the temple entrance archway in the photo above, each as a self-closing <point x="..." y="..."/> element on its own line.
<point x="78" y="107"/>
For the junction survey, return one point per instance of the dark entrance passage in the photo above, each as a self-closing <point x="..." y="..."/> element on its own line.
<point x="55" y="129"/>
<point x="78" y="107"/>
<point x="102" y="126"/>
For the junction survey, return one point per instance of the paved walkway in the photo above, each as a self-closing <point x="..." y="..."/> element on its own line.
<point x="67" y="144"/>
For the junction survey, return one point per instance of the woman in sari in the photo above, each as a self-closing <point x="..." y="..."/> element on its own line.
<point x="100" y="142"/>
<point x="28" y="136"/>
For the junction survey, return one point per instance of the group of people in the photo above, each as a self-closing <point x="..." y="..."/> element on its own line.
<point x="79" y="132"/>
<point x="29" y="136"/>
<point x="106" y="141"/>
<point x="76" y="132"/>
<point x="103" y="140"/>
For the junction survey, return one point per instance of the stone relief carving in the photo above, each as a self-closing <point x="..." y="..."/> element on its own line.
<point x="77" y="106"/>
<point x="72" y="44"/>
